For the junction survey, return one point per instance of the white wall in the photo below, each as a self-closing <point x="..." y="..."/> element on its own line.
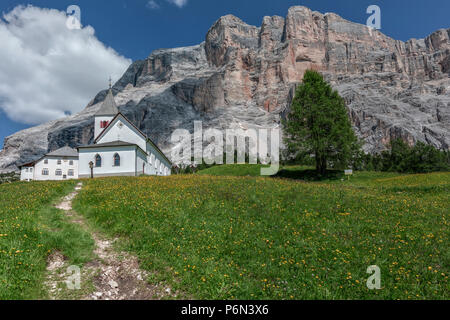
<point x="52" y="165"/>
<point x="156" y="159"/>
<point x="126" y="133"/>
<point x="127" y="161"/>
<point x="141" y="163"/>
<point x="149" y="167"/>
<point x="27" y="174"/>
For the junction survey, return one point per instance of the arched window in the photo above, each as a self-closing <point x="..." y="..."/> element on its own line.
<point x="98" y="161"/>
<point x="152" y="160"/>
<point x="116" y="160"/>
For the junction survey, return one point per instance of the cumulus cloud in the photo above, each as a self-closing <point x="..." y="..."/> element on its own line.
<point x="48" y="70"/>
<point x="178" y="3"/>
<point x="152" y="4"/>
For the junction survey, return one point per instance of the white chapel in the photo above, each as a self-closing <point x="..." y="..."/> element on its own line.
<point x="119" y="149"/>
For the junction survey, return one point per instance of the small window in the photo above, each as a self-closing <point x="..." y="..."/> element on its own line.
<point x="59" y="161"/>
<point x="70" y="173"/>
<point x="31" y="169"/>
<point x="71" y="163"/>
<point x="45" y="172"/>
<point x="46" y="161"/>
<point x="103" y="124"/>
<point x="26" y="169"/>
<point x="116" y="160"/>
<point x="58" y="172"/>
<point x="150" y="160"/>
<point x="98" y="161"/>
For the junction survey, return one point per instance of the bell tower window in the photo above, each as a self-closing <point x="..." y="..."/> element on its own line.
<point x="103" y="124"/>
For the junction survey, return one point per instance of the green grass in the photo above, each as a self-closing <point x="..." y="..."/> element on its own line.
<point x="30" y="229"/>
<point x="224" y="237"/>
<point x="239" y="170"/>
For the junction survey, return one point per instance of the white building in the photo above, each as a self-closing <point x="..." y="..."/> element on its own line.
<point x="60" y="164"/>
<point x="119" y="149"/>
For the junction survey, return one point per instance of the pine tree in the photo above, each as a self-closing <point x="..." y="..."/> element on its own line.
<point x="318" y="124"/>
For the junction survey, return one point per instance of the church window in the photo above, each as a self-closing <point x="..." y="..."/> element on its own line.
<point x="98" y="161"/>
<point x="58" y="172"/>
<point x="71" y="162"/>
<point x="46" y="161"/>
<point x="31" y="169"/>
<point x="70" y="173"/>
<point x="45" y="172"/>
<point x="104" y="124"/>
<point x="59" y="161"/>
<point x="116" y="160"/>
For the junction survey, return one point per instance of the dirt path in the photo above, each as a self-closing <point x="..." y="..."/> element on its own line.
<point x="112" y="275"/>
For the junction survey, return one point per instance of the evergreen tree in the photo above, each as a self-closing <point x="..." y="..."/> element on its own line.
<point x="318" y="125"/>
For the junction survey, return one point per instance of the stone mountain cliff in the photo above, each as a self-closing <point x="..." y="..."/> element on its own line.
<point x="245" y="76"/>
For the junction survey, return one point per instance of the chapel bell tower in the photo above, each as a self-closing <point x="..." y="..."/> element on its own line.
<point x="106" y="113"/>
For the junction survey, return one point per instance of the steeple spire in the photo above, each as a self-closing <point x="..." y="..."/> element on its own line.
<point x="109" y="107"/>
<point x="110" y="85"/>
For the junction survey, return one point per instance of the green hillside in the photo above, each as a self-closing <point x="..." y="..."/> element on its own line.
<point x="229" y="237"/>
<point x="269" y="238"/>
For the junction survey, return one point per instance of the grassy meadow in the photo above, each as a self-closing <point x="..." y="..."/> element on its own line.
<point x="30" y="230"/>
<point x="226" y="233"/>
<point x="218" y="236"/>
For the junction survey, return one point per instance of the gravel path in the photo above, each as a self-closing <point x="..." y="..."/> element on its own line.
<point x="113" y="275"/>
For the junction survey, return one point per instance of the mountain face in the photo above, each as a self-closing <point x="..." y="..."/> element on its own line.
<point x="244" y="76"/>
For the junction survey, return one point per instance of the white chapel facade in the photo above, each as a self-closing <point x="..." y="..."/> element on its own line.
<point x="119" y="149"/>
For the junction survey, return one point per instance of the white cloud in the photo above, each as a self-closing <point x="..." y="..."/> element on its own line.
<point x="152" y="4"/>
<point x="48" y="70"/>
<point x="178" y="3"/>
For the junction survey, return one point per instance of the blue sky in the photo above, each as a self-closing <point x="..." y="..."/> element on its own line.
<point x="134" y="30"/>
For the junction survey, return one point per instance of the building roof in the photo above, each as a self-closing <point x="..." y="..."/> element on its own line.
<point x="109" y="107"/>
<point x="63" y="152"/>
<point x="111" y="144"/>
<point x="29" y="164"/>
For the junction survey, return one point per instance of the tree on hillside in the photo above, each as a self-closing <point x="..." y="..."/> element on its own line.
<point x="318" y="124"/>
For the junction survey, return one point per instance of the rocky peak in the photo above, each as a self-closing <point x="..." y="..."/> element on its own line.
<point x="244" y="76"/>
<point x="228" y="33"/>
